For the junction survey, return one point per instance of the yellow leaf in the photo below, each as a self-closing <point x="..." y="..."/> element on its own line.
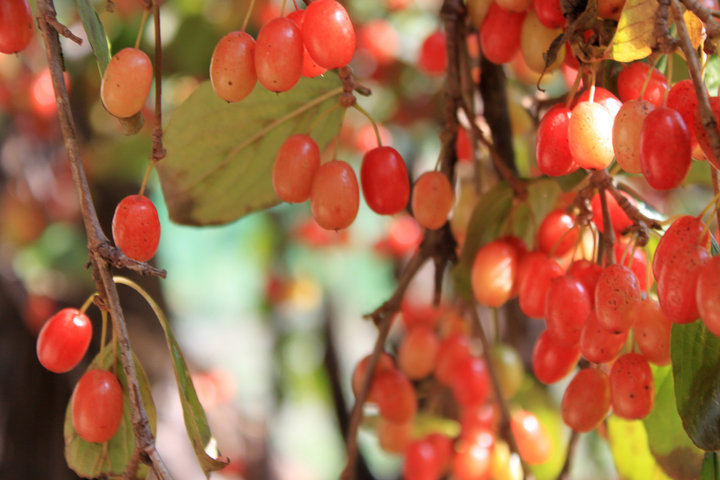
<point x="695" y="28"/>
<point x="634" y="34"/>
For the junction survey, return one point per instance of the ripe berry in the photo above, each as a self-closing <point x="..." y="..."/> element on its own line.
<point x="533" y="440"/>
<point x="682" y="98"/>
<point x="279" y="55"/>
<point x="664" y="148"/>
<point x="97" y="406"/>
<point x="309" y="67"/>
<point x="494" y="273"/>
<point x="632" y="387"/>
<point x="702" y="136"/>
<point x="334" y="195"/>
<point x="534" y="284"/>
<point x="63" y="340"/>
<point x="328" y="34"/>
<point x="567" y="305"/>
<point x="557" y="233"/>
<point x="549" y="13"/>
<point x="432" y="199"/>
<point x="552" y="362"/>
<point x="126" y="82"/>
<point x="598" y="344"/>
<point x="500" y="34"/>
<point x="586" y="400"/>
<point x="626" y="133"/>
<point x="136" y="227"/>
<point x="590" y="135"/>
<point x="552" y="153"/>
<point x="418" y="351"/>
<point x="385" y="362"/>
<point x="677" y="283"/>
<point x="708" y="300"/>
<point x="385" y="182"/>
<point x="16" y="25"/>
<point x="395" y="396"/>
<point x="433" y="54"/>
<point x="295" y="165"/>
<point x="232" y="66"/>
<point x="631" y="79"/>
<point x="616" y="292"/>
<point x="652" y="330"/>
<point x="683" y="232"/>
<point x="618" y="218"/>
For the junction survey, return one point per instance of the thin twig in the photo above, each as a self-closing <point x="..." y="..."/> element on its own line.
<point x="158" y="150"/>
<point x="571" y="448"/>
<point x="144" y="439"/>
<point x="716" y="190"/>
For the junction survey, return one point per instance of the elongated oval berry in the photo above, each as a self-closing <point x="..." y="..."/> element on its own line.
<point x="16" y="25"/>
<point x="626" y="133"/>
<point x="294" y="169"/>
<point x="433" y="54"/>
<point x="567" y="305"/>
<point x="97" y="406"/>
<point x="552" y="153"/>
<point x="310" y="68"/>
<point x="334" y="195"/>
<point x="616" y="292"/>
<point x="664" y="148"/>
<point x="633" y="77"/>
<point x="63" y="340"/>
<point x="549" y="13"/>
<point x="552" y="362"/>
<point x="677" y="283"/>
<point x="599" y="345"/>
<point x="702" y="137"/>
<point x="126" y="82"/>
<point x="590" y="135"/>
<point x="232" y="66"/>
<point x="500" y="34"/>
<point x="652" y="330"/>
<point x="494" y="273"/>
<point x="328" y="34"/>
<point x="586" y="401"/>
<point x="136" y="227"/>
<point x="534" y="443"/>
<point x="279" y="55"/>
<point x="632" y="388"/>
<point x="682" y="98"/>
<point x="685" y="231"/>
<point x="395" y="395"/>
<point x="534" y="283"/>
<point x="432" y="199"/>
<point x="385" y="182"/>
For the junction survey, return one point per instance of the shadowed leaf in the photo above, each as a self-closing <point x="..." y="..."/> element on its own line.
<point x="220" y="155"/>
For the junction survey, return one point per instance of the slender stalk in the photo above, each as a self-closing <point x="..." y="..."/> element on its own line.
<point x="144" y="439"/>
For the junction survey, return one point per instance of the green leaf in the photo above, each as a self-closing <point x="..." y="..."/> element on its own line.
<point x="710" y="467"/>
<point x="629" y="446"/>
<point x="673" y="450"/>
<point x="696" y="369"/>
<point x="714" y="247"/>
<point x="634" y="35"/>
<point x="91" y="460"/>
<point x="220" y="155"/>
<point x="95" y="34"/>
<point x="196" y="423"/>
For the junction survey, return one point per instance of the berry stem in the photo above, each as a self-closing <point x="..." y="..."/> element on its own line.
<point x="573" y="90"/>
<point x="712" y="203"/>
<point x="103" y="332"/>
<point x="87" y="303"/>
<point x="372" y="122"/>
<point x="246" y="20"/>
<point x="322" y="116"/>
<point x="158" y="150"/>
<point x="146" y="177"/>
<point x="141" y="28"/>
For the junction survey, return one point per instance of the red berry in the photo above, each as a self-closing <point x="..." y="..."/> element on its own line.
<point x="702" y="136"/>
<point x="279" y="55"/>
<point x="334" y="196"/>
<point x="533" y="287"/>
<point x="494" y="273"/>
<point x="63" y="340"/>
<point x="395" y="396"/>
<point x="533" y="440"/>
<point x="328" y="34"/>
<point x="552" y="153"/>
<point x="232" y="66"/>
<point x="598" y="344"/>
<point x="708" y="300"/>
<point x="418" y="351"/>
<point x="626" y="133"/>
<point x="586" y="400"/>
<point x="677" y="283"/>
<point x="294" y="169"/>
<point x="549" y="13"/>
<point x="652" y="331"/>
<point x="385" y="181"/>
<point x="470" y="381"/>
<point x="567" y="306"/>
<point x="631" y="79"/>
<point x="433" y="55"/>
<point x="309" y="67"/>
<point x="126" y="82"/>
<point x="552" y="362"/>
<point x="500" y="34"/>
<point x="557" y="233"/>
<point x="683" y="232"/>
<point x="16" y="25"/>
<point x="97" y="406"/>
<point x="618" y="218"/>
<point x="452" y="350"/>
<point x="664" y="148"/>
<point x="632" y="387"/>
<point x="682" y="98"/>
<point x="432" y="199"/>
<point x="616" y="292"/>
<point x="385" y="362"/>
<point x="136" y="227"/>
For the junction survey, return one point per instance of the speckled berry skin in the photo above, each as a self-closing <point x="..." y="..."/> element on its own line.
<point x="136" y="227"/>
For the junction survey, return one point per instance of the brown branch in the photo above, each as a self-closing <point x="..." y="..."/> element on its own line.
<point x="63" y="30"/>
<point x="571" y="449"/>
<point x="144" y="439"/>
<point x="716" y="191"/>
<point x="504" y="427"/>
<point x="706" y="15"/>
<point x="607" y="236"/>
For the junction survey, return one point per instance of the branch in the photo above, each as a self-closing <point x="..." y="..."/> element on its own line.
<point x="144" y="439"/>
<point x="571" y="448"/>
